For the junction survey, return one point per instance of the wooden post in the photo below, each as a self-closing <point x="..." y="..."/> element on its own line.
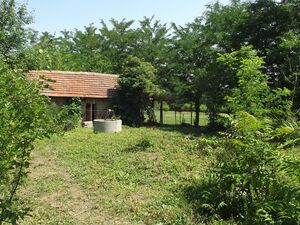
<point x="180" y="117"/>
<point x="197" y="112"/>
<point x="161" y="119"/>
<point x="91" y="114"/>
<point x="192" y="117"/>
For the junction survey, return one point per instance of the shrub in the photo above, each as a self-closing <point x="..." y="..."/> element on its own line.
<point x="68" y="116"/>
<point x="288" y="135"/>
<point x="24" y="117"/>
<point x="186" y="107"/>
<point x="166" y="106"/>
<point x="203" y="108"/>
<point x="252" y="93"/>
<point x="251" y="181"/>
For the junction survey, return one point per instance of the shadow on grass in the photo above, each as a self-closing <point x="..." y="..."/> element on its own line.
<point x="142" y="145"/>
<point x="203" y="203"/>
<point x="186" y="129"/>
<point x="198" y="195"/>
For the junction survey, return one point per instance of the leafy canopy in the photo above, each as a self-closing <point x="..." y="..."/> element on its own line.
<point x="137" y="90"/>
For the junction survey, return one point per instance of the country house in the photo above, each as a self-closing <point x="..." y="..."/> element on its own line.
<point x="94" y="89"/>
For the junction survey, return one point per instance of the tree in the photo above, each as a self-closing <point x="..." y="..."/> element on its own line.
<point x="24" y="118"/>
<point x="219" y="25"/>
<point x="266" y="24"/>
<point x="190" y="57"/>
<point x="252" y="181"/>
<point x="137" y="90"/>
<point x="252" y="89"/>
<point x="119" y="42"/>
<point x="195" y="48"/>
<point x="87" y="52"/>
<point x="289" y="51"/>
<point x="252" y="93"/>
<point x="13" y="32"/>
<point x="45" y="54"/>
<point x="153" y="46"/>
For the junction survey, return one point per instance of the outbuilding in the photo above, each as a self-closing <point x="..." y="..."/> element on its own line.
<point x="94" y="89"/>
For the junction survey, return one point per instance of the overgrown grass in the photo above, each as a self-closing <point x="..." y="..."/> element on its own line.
<point x="137" y="176"/>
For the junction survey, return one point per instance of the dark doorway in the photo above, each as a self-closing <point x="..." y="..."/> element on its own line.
<point x="90" y="112"/>
<point x="94" y="112"/>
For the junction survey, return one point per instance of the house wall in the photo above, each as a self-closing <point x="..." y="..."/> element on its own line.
<point x="98" y="110"/>
<point x="61" y="100"/>
<point x="100" y="102"/>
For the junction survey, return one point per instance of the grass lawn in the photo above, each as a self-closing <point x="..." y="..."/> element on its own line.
<point x="138" y="176"/>
<point x="169" y="118"/>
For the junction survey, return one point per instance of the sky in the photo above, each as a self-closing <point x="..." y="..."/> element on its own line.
<point x="57" y="15"/>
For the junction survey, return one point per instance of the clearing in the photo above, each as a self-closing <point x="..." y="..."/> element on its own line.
<point x="138" y="176"/>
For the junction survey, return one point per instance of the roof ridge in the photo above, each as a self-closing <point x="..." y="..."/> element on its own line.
<point x="71" y="72"/>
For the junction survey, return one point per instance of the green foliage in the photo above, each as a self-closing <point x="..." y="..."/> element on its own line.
<point x="186" y="107"/>
<point x="252" y="93"/>
<point x="166" y="106"/>
<point x="252" y="89"/>
<point x="250" y="181"/>
<point x="280" y="104"/>
<point x="278" y="26"/>
<point x="203" y="108"/>
<point x="13" y="31"/>
<point x="185" y="62"/>
<point x="137" y="90"/>
<point x="24" y="117"/>
<point x="85" y="51"/>
<point x="67" y="117"/>
<point x="254" y="180"/>
<point x="287" y="135"/>
<point x="195" y="49"/>
<point x="45" y="55"/>
<point x="289" y="50"/>
<point x="152" y="45"/>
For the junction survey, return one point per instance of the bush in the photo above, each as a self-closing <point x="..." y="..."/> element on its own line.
<point x="186" y="107"/>
<point x="251" y="181"/>
<point x="288" y="135"/>
<point x="67" y="117"/>
<point x="166" y="106"/>
<point x="24" y="117"/>
<point x="203" y="108"/>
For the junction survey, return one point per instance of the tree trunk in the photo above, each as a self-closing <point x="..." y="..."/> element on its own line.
<point x="161" y="116"/>
<point x="175" y="117"/>
<point x="197" y="112"/>
<point x="151" y="113"/>
<point x="180" y="117"/>
<point x="191" y="116"/>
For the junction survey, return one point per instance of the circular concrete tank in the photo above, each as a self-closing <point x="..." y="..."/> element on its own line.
<point x="107" y="126"/>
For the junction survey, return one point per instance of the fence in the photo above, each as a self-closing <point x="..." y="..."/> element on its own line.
<point x="179" y="118"/>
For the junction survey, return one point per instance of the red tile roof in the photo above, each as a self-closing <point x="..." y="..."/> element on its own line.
<point x="77" y="84"/>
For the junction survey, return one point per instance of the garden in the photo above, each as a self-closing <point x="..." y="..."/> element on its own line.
<point x="210" y="112"/>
